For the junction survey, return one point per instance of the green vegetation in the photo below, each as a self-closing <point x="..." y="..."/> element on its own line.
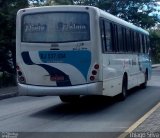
<point x="134" y="11"/>
<point x="8" y="10"/>
<point x="155" y="45"/>
<point x="35" y="3"/>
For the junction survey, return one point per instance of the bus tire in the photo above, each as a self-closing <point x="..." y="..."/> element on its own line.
<point x="69" y="98"/>
<point x="123" y="94"/>
<point x="144" y="85"/>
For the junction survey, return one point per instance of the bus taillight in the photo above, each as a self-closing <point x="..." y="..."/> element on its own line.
<point x="96" y="66"/>
<point x="21" y="79"/>
<point x="20" y="76"/>
<point x="92" y="78"/>
<point x="94" y="72"/>
<point x="17" y="68"/>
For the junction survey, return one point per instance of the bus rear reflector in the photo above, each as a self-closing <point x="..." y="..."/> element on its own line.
<point x="94" y="72"/>
<point x="19" y="73"/>
<point x="92" y="78"/>
<point x="21" y="79"/>
<point x="20" y="76"/>
<point x="17" y="68"/>
<point x="96" y="66"/>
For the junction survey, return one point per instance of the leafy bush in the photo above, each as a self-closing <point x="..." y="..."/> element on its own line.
<point x="7" y="79"/>
<point x="155" y="45"/>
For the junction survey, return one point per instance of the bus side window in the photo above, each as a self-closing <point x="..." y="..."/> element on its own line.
<point x="120" y="42"/>
<point x="135" y="42"/>
<point x="124" y="40"/>
<point x="138" y="43"/>
<point x="102" y="31"/>
<point x="115" y="37"/>
<point x="147" y="44"/>
<point x="128" y="39"/>
<point x="143" y="43"/>
<point x="108" y="36"/>
<point x="145" y="39"/>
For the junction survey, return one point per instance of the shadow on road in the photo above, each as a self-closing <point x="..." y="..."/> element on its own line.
<point x="86" y="105"/>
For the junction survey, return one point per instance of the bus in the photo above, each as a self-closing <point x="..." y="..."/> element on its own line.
<point x="71" y="51"/>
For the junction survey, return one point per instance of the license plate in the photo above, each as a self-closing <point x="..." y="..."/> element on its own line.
<point x="57" y="78"/>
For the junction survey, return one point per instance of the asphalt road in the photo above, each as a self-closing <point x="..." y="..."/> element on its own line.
<point x="90" y="114"/>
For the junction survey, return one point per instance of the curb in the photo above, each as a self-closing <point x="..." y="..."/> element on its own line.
<point x="8" y="95"/>
<point x="139" y="122"/>
<point x="8" y="92"/>
<point x="155" y="65"/>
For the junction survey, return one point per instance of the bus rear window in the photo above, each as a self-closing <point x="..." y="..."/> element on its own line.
<point x="56" y="27"/>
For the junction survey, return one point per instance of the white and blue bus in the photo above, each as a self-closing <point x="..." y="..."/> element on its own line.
<point x="69" y="51"/>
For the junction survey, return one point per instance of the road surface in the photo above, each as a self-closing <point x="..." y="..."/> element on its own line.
<point x="90" y="114"/>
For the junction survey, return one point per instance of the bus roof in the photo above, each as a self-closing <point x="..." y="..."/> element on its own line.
<point x="100" y="12"/>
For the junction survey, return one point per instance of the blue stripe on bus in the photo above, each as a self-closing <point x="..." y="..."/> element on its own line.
<point x="79" y="59"/>
<point x="51" y="70"/>
<point x="26" y="58"/>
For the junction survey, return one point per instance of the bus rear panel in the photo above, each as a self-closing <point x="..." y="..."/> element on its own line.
<point x="54" y="52"/>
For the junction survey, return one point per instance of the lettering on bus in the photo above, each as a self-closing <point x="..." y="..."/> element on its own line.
<point x="52" y="56"/>
<point x="31" y="28"/>
<point x="71" y="27"/>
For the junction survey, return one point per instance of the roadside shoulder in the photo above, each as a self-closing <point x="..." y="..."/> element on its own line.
<point x="8" y="92"/>
<point x="147" y="124"/>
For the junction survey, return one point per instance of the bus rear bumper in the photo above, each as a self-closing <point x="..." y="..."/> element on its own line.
<point x="85" y="89"/>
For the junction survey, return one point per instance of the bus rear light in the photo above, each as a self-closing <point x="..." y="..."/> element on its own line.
<point x="92" y="78"/>
<point x="19" y="73"/>
<point x="21" y="79"/>
<point x="20" y="76"/>
<point x="94" y="72"/>
<point x="96" y="66"/>
<point x="17" y="68"/>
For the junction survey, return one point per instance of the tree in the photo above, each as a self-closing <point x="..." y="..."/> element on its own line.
<point x="59" y="2"/>
<point x="134" y="11"/>
<point x="155" y="45"/>
<point x="8" y="11"/>
<point x="37" y="3"/>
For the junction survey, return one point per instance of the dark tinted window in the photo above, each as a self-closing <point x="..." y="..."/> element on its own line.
<point x="144" y="43"/>
<point x="124" y="40"/>
<point x="106" y="38"/>
<point x="120" y="40"/>
<point x="56" y="27"/>
<point x="103" y="40"/>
